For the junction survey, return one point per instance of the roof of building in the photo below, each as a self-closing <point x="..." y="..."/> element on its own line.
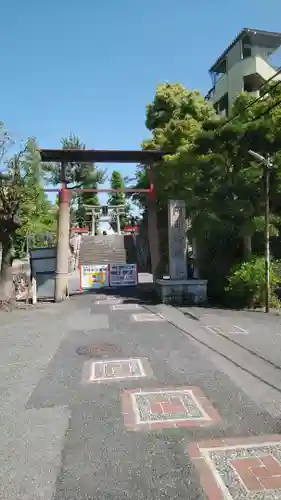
<point x="101" y="156"/>
<point x="268" y="39"/>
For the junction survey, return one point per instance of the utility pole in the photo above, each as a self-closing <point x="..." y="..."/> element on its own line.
<point x="267" y="164"/>
<point x="61" y="281"/>
<point x="266" y="235"/>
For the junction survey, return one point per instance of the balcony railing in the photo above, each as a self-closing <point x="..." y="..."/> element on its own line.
<point x="210" y="94"/>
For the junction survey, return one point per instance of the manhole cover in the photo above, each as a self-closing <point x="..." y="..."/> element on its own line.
<point x="97" y="350"/>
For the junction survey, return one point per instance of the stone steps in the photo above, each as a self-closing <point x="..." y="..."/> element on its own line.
<point x="118" y="249"/>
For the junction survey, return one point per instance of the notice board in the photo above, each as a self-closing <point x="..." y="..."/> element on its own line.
<point x="93" y="276"/>
<point x="123" y="274"/>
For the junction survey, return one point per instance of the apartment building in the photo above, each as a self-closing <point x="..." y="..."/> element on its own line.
<point x="244" y="66"/>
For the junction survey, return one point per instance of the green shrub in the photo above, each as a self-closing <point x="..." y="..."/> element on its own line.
<point x="246" y="283"/>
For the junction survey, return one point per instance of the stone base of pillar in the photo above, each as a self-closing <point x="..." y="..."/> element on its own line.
<point x="182" y="292"/>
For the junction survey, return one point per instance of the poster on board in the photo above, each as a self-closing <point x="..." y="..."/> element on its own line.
<point x="93" y="276"/>
<point x="123" y="274"/>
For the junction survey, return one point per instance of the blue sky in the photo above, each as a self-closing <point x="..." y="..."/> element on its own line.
<point x="91" y="66"/>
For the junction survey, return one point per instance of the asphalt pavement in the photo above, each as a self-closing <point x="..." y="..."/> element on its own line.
<point x="108" y="397"/>
<point x="253" y="330"/>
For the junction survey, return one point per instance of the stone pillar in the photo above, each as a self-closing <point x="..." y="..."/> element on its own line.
<point x="93" y="229"/>
<point x="177" y="240"/>
<point x="118" y="221"/>
<point x="61" y="282"/>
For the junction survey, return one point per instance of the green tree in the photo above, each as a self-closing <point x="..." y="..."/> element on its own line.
<point x="81" y="175"/>
<point x="175" y="117"/>
<point x="20" y="200"/>
<point x="117" y="199"/>
<point x="38" y="229"/>
<point x="209" y="166"/>
<point x="227" y="193"/>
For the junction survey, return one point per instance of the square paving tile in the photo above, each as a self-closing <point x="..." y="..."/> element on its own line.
<point x="239" y="468"/>
<point x="102" y="296"/>
<point x="167" y="408"/>
<point x="108" y="302"/>
<point x="144" y="317"/>
<point x="110" y="370"/>
<point x="125" y="307"/>
<point x="231" y="330"/>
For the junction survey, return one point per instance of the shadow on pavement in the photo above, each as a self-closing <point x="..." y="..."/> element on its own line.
<point x="142" y="293"/>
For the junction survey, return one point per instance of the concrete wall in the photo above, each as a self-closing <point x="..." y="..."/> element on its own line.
<point x="233" y="83"/>
<point x="234" y="55"/>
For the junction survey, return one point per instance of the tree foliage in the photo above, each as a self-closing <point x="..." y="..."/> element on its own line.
<point x="246" y="283"/>
<point x="22" y="202"/>
<point x="209" y="166"/>
<point x="81" y="175"/>
<point x="118" y="199"/>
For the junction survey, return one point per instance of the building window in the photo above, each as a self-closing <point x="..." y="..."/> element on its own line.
<point x="222" y="106"/>
<point x="252" y="83"/>
<point x="246" y="47"/>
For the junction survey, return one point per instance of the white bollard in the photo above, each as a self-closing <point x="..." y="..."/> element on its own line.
<point x="34" y="291"/>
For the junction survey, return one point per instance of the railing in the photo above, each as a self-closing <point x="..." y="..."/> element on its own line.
<point x="210" y="94"/>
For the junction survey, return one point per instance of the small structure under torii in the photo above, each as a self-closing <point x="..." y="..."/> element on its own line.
<point x="96" y="210"/>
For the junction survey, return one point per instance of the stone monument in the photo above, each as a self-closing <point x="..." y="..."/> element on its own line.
<point x="178" y="289"/>
<point x="177" y="240"/>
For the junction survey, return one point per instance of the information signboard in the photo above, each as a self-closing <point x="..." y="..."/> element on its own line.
<point x="123" y="274"/>
<point x="93" y="276"/>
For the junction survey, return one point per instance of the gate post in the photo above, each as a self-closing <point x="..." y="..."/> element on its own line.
<point x="153" y="234"/>
<point x="61" y="281"/>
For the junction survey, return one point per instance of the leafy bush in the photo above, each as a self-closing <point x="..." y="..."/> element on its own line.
<point x="246" y="283"/>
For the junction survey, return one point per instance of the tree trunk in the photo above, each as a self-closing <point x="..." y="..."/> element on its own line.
<point x="6" y="275"/>
<point x="247" y="247"/>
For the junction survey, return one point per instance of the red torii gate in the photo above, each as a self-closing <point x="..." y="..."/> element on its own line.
<point x="65" y="156"/>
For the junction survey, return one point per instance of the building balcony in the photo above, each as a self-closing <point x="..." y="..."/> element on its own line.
<point x="233" y="82"/>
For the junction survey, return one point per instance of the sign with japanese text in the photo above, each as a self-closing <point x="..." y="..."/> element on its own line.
<point x="123" y="274"/>
<point x="93" y="276"/>
<point x="177" y="240"/>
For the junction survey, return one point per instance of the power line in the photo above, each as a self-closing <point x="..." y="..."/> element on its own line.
<point x="266" y="111"/>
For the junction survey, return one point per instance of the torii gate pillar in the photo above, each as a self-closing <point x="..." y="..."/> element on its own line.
<point x="61" y="281"/>
<point x="153" y="234"/>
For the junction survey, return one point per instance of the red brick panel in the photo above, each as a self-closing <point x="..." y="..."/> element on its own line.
<point x="251" y="472"/>
<point x="165" y="408"/>
<point x="243" y="469"/>
<point x="259" y="473"/>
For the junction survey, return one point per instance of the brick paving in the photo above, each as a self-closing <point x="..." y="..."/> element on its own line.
<point x="167" y="408"/>
<point x="197" y="435"/>
<point x="241" y="468"/>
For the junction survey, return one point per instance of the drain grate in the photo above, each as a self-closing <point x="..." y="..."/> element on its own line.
<point x="98" y="350"/>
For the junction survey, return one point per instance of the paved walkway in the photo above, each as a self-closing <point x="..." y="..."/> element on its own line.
<point x="106" y="398"/>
